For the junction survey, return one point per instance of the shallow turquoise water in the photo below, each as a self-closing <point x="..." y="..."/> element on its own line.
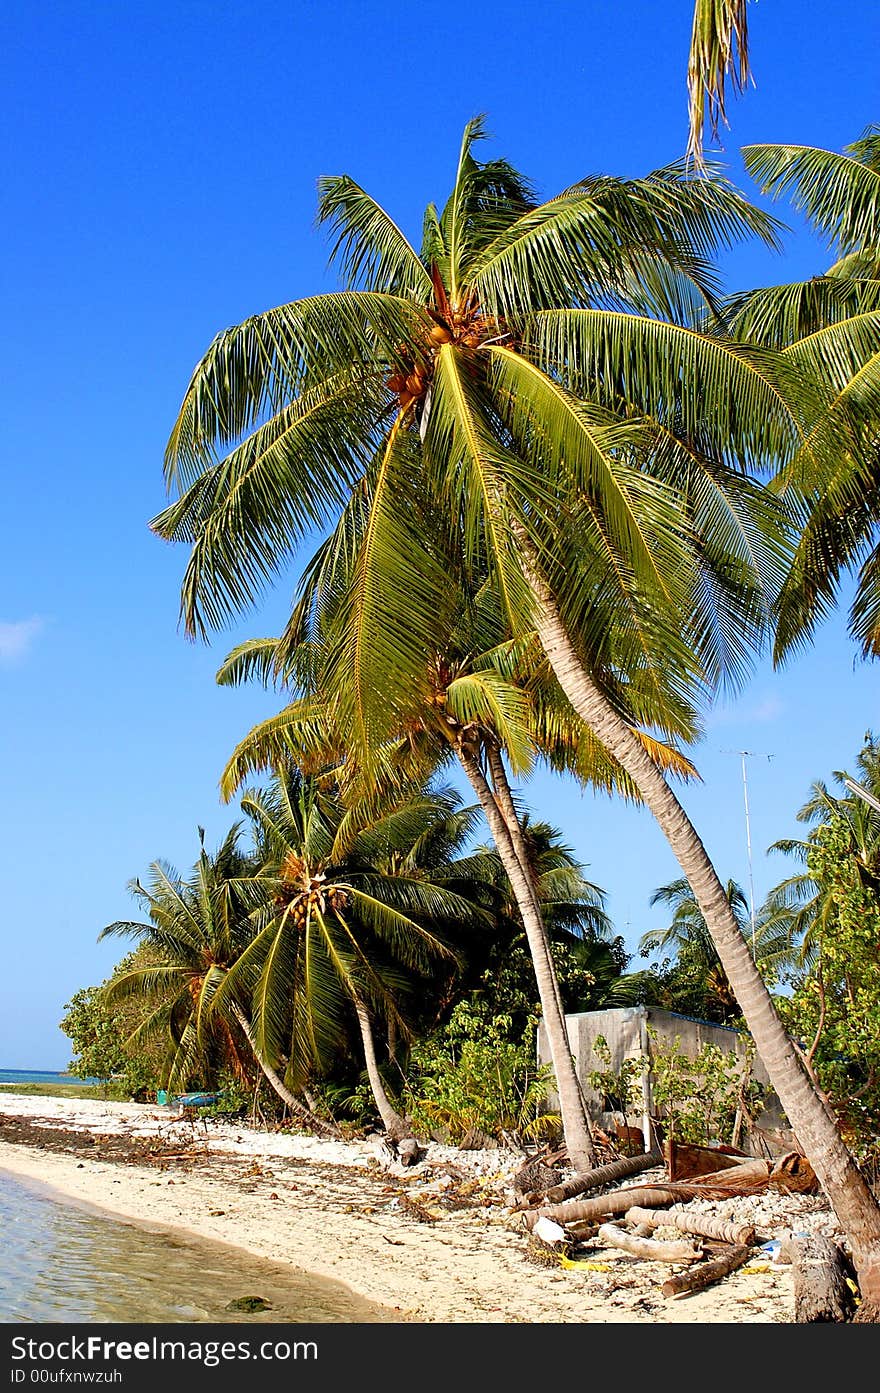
<point x="40" y="1076"/>
<point x="64" y="1263"/>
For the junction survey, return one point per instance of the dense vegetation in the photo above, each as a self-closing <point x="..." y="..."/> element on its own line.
<point x="456" y="1044"/>
<point x="567" y="491"/>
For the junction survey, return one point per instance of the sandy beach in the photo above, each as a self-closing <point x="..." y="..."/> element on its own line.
<point x="436" y="1242"/>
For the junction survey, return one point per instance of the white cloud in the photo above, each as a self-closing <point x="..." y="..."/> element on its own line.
<point x="16" y="638"/>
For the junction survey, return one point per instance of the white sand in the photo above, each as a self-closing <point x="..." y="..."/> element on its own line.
<point x="330" y="1207"/>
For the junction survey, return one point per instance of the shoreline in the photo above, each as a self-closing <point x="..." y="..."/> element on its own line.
<point x="430" y="1244"/>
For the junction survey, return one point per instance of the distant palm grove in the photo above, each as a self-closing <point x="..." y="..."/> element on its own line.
<point x="567" y="488"/>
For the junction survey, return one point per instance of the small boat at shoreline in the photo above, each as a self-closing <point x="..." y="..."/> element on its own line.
<point x="186" y="1100"/>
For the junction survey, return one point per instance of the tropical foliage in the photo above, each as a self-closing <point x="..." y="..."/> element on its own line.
<point x="195" y="931"/>
<point x="832" y="912"/>
<point x="552" y="382"/>
<point x="470" y="1083"/>
<point x="690" y="978"/>
<point x="348" y="906"/>
<point x="100" y="1035"/>
<point x="829" y="327"/>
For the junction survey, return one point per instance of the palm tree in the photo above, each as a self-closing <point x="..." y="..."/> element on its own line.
<point x="348" y="904"/>
<point x="536" y="367"/>
<point x="198" y="928"/>
<point x="687" y="935"/>
<point x="473" y="702"/>
<point x="572" y="906"/>
<point x="829" y="326"/>
<point x="800" y="909"/>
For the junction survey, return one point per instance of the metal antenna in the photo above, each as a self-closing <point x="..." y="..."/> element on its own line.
<point x="863" y="793"/>
<point x="744" y="755"/>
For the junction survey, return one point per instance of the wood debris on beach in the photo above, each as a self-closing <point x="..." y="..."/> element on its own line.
<point x="680" y="1219"/>
<point x="642" y="1237"/>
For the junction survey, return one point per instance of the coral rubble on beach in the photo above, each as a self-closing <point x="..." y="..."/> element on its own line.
<point x="441" y="1240"/>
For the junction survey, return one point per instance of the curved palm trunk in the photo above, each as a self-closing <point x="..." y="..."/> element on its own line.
<point x="815" y="1126"/>
<point x="504" y="799"/>
<point x="575" y="1126"/>
<point x="394" y="1124"/>
<point x="299" y="1111"/>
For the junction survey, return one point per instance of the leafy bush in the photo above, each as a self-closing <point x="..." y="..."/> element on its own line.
<point x="699" y="1095"/>
<point x="621" y="1089"/>
<point x="470" y="1078"/>
<point x="98" y="1033"/>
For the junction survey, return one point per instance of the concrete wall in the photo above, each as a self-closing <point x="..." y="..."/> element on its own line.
<point x="627" y="1031"/>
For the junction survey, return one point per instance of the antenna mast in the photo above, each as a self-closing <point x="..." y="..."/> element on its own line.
<point x="744" y="755"/>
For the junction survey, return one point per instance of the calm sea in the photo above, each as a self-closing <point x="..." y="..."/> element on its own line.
<point x="40" y="1076"/>
<point x="65" y="1263"/>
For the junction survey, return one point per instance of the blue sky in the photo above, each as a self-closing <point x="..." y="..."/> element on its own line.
<point x="159" y="174"/>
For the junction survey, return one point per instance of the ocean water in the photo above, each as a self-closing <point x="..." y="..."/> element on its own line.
<point x="8" y="1076"/>
<point x="62" y="1262"/>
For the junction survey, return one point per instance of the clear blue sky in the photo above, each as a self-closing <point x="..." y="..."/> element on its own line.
<point x="159" y="168"/>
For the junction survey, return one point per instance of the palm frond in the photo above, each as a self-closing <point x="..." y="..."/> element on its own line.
<point x="397" y="597"/>
<point x="299" y="734"/>
<point x="719" y="54"/>
<point x="259" y="367"/>
<point x="245" y="515"/>
<point x="741" y="405"/>
<point x="779" y="315"/>
<point x="370" y="247"/>
<point x="840" y="193"/>
<point x="476" y="467"/>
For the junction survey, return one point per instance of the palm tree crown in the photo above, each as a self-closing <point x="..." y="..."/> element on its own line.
<point x="524" y="371"/>
<point x="197" y="928"/>
<point x="829" y="328"/>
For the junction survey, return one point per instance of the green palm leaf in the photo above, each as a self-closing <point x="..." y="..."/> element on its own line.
<point x="257" y="368"/>
<point x="370" y="247"/>
<point x="840" y="193"/>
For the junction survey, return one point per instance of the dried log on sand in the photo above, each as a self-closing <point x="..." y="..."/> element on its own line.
<point x="705" y="1273"/>
<point x="648" y="1247"/>
<point x="745" y="1173"/>
<point x="688" y="1221"/>
<point x="745" y="1178"/>
<point x="604" y="1206"/>
<point x="821" y="1291"/>
<point x="603" y="1175"/>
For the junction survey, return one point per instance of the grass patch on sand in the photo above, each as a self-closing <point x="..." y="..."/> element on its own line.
<point x="104" y="1091"/>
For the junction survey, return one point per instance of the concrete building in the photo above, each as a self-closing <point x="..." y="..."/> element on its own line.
<point x="633" y="1031"/>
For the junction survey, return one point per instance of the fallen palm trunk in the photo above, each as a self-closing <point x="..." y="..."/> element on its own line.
<point x="743" y="1172"/>
<point x="703" y="1225"/>
<point x="749" y="1178"/>
<point x="821" y="1291"/>
<point x="791" y="1173"/>
<point x="603" y="1175"/>
<point x="742" y="1179"/>
<point x="603" y="1206"/>
<point x="705" y="1273"/>
<point x="648" y="1247"/>
<point x="686" y="1160"/>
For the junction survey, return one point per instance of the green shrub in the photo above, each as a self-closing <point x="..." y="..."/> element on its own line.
<point x="699" y="1096"/>
<point x="470" y="1078"/>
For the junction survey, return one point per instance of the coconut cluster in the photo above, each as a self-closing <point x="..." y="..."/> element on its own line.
<point x="304" y="889"/>
<point x="460" y="324"/>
